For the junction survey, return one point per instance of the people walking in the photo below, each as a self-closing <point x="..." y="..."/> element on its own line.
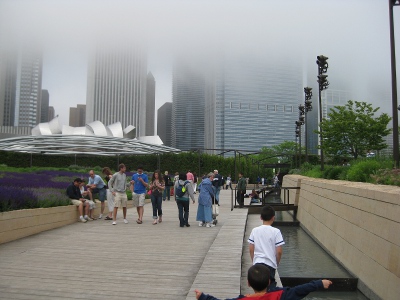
<point x="183" y="201"/>
<point x="228" y="182"/>
<point x="217" y="183"/>
<point x="110" y="198"/>
<point x="117" y="184"/>
<point x="168" y="183"/>
<point x="139" y="183"/>
<point x="205" y="200"/>
<point x="241" y="189"/>
<point x="157" y="187"/>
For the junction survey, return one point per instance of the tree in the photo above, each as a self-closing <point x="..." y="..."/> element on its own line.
<point x="353" y="130"/>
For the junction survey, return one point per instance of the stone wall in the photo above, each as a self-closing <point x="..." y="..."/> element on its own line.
<point x="358" y="224"/>
<point x="21" y="223"/>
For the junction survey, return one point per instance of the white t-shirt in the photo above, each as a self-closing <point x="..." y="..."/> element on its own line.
<point x="265" y="239"/>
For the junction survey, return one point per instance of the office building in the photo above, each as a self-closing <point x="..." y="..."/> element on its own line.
<point x="164" y="122"/>
<point x="116" y="90"/>
<point x="150" y="103"/>
<point x="51" y="113"/>
<point x="252" y="104"/>
<point x="77" y="116"/>
<point x="188" y="104"/>
<point x="44" y="107"/>
<point x="20" y="88"/>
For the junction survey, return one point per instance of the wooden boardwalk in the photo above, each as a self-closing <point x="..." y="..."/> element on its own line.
<point x="128" y="261"/>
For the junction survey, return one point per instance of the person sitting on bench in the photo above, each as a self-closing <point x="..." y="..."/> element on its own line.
<point x="254" y="197"/>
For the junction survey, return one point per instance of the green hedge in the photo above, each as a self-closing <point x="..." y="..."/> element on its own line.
<point x="182" y="162"/>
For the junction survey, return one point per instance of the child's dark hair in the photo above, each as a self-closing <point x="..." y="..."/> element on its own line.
<point x="267" y="213"/>
<point x="182" y="176"/>
<point x="258" y="277"/>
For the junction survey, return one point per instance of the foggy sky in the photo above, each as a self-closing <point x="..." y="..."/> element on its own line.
<point x="354" y="34"/>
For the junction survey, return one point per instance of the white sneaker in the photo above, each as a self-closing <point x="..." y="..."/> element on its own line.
<point x="114" y="223"/>
<point x="125" y="221"/>
<point x="201" y="224"/>
<point x="82" y="220"/>
<point x="86" y="218"/>
<point x="100" y="216"/>
<point x="210" y="225"/>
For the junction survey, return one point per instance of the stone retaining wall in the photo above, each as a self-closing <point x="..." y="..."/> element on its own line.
<point x="21" y="223"/>
<point x="359" y="224"/>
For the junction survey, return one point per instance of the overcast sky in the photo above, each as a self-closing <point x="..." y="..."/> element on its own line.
<point x="354" y="34"/>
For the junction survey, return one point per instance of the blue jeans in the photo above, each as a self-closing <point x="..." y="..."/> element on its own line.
<point x="156" y="202"/>
<point x="167" y="193"/>
<point x="217" y="190"/>
<point x="102" y="193"/>
<point x="183" y="211"/>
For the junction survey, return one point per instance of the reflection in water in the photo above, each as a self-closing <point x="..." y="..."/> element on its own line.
<point x="303" y="257"/>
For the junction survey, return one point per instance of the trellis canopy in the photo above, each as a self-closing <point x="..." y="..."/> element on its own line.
<point x="60" y="144"/>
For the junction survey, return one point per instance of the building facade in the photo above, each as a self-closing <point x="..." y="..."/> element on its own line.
<point x="164" y="123"/>
<point x="150" y="104"/>
<point x="252" y="104"/>
<point x="20" y="88"/>
<point x="44" y="107"/>
<point x="116" y="89"/>
<point x="188" y="106"/>
<point x="77" y="115"/>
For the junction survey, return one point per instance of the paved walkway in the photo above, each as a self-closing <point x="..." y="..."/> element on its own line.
<point x="128" y="261"/>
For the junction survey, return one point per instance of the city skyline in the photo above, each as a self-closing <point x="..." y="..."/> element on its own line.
<point x="353" y="34"/>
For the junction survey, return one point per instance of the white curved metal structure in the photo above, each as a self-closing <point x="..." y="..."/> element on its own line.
<point x="93" y="139"/>
<point x="81" y="144"/>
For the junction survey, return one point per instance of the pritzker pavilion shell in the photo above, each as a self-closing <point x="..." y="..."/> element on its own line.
<point x="93" y="139"/>
<point x="58" y="144"/>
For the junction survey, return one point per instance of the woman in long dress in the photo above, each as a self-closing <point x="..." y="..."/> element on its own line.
<point x="204" y="210"/>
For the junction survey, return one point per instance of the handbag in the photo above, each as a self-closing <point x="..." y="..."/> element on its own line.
<point x="149" y="192"/>
<point x="215" y="209"/>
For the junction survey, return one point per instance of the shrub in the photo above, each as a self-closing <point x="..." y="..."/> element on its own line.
<point x="315" y="172"/>
<point x="333" y="172"/>
<point x="362" y="170"/>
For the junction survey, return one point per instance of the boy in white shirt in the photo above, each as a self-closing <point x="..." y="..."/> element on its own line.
<point x="265" y="243"/>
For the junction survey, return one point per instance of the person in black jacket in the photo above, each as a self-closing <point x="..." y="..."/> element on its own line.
<point x="258" y="280"/>
<point x="168" y="183"/>
<point x="74" y="193"/>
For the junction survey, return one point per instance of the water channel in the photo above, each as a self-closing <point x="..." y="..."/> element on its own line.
<point x="302" y="257"/>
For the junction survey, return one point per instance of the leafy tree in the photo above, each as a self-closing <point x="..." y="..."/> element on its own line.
<point x="353" y="129"/>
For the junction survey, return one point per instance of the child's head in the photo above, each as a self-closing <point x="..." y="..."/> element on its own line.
<point x="267" y="213"/>
<point x="258" y="277"/>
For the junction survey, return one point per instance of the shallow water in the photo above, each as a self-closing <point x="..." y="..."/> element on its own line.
<point x="303" y="257"/>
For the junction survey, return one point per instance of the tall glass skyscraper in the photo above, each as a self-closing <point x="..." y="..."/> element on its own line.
<point x="252" y="104"/>
<point x="188" y="100"/>
<point x="116" y="90"/>
<point x="20" y="88"/>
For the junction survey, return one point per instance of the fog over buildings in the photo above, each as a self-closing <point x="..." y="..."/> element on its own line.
<point x="354" y="34"/>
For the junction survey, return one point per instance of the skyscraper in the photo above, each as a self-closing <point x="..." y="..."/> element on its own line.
<point x="164" y="122"/>
<point x="44" y="107"/>
<point x="251" y="104"/>
<point x="51" y="113"/>
<point x="188" y="103"/>
<point x="116" y="88"/>
<point x="150" y="103"/>
<point x="77" y="116"/>
<point x="20" y="88"/>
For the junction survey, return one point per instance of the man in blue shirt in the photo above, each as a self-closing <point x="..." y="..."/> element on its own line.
<point x="139" y="183"/>
<point x="97" y="185"/>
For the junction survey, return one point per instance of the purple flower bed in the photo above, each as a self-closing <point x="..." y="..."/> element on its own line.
<point x="36" y="189"/>
<point x="12" y="198"/>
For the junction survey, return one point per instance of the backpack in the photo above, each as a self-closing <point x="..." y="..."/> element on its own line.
<point x="181" y="189"/>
